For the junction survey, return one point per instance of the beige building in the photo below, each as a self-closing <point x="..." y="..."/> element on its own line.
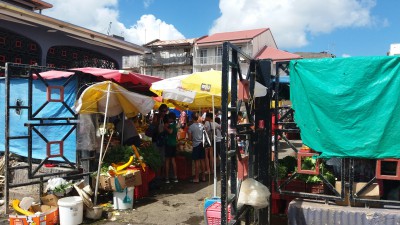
<point x="208" y="50"/>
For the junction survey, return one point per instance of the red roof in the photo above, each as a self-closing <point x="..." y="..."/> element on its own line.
<point x="232" y="36"/>
<point x="276" y="54"/>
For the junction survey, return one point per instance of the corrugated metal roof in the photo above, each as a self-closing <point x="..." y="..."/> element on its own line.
<point x="172" y="42"/>
<point x="276" y="54"/>
<point x="312" y="55"/>
<point x="231" y="36"/>
<point x="303" y="212"/>
<point x="221" y="42"/>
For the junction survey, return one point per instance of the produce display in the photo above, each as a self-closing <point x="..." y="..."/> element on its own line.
<point x="185" y="145"/>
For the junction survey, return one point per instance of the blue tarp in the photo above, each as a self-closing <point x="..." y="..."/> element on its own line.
<point x="19" y="91"/>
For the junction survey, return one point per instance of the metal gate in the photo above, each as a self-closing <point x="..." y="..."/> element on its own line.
<point x="35" y="120"/>
<point x="256" y="132"/>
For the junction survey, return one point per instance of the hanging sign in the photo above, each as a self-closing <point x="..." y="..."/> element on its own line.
<point x="206" y="87"/>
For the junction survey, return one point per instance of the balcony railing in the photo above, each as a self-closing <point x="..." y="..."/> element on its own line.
<point x="158" y="61"/>
<point x="210" y="60"/>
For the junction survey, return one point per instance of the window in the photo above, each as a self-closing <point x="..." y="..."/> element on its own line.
<point x="218" y="51"/>
<point x="218" y="55"/>
<point x="203" y="56"/>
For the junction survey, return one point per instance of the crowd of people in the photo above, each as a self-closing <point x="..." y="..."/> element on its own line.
<point x="167" y="129"/>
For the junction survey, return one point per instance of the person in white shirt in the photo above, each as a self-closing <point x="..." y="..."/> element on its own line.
<point x="209" y="126"/>
<point x="195" y="134"/>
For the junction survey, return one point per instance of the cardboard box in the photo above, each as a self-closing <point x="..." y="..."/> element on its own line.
<point x="104" y="183"/>
<point x="130" y="179"/>
<point x="133" y="178"/>
<point x="50" y="200"/>
<point x="372" y="192"/>
<point x="48" y="216"/>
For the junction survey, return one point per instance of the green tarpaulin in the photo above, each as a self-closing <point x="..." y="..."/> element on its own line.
<point x="348" y="107"/>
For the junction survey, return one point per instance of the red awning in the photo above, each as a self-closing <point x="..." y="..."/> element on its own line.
<point x="119" y="76"/>
<point x="130" y="80"/>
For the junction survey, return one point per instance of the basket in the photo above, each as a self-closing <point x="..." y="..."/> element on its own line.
<point x="213" y="213"/>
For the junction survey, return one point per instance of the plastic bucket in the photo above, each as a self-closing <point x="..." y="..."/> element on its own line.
<point x="70" y="210"/>
<point x="124" y="199"/>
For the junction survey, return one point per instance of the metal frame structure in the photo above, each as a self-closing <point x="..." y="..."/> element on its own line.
<point x="256" y="132"/>
<point x="280" y="120"/>
<point x="28" y="72"/>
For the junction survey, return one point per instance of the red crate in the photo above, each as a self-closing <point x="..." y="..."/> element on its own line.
<point x="183" y="168"/>
<point x="142" y="191"/>
<point x="243" y="168"/>
<point x="318" y="188"/>
<point x="213" y="213"/>
<point x="296" y="185"/>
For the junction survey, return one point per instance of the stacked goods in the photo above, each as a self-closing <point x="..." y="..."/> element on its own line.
<point x="138" y="162"/>
<point x="27" y="211"/>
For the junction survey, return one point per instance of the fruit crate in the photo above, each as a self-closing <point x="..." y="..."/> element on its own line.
<point x="183" y="168"/>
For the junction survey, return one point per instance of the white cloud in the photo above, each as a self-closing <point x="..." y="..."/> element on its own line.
<point x="292" y="22"/>
<point x="98" y="14"/>
<point x="147" y="3"/>
<point x="346" y="55"/>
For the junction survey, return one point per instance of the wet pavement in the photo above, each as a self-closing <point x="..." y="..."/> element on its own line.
<point x="174" y="203"/>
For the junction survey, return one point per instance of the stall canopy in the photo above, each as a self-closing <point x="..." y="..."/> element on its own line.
<point x="97" y="97"/>
<point x="130" y="80"/>
<point x="348" y="107"/>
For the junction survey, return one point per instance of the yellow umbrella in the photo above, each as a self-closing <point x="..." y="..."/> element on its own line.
<point x="204" y="83"/>
<point x="172" y="91"/>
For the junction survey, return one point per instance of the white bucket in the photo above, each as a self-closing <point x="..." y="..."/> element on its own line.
<point x="118" y="198"/>
<point x="70" y="210"/>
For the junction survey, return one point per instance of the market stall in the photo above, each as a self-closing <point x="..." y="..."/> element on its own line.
<point x="111" y="99"/>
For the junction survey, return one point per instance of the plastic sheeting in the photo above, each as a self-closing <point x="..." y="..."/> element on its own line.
<point x="348" y="107"/>
<point x="19" y="91"/>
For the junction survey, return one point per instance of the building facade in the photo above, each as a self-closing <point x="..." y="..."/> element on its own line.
<point x="169" y="58"/>
<point x="28" y="37"/>
<point x="208" y="50"/>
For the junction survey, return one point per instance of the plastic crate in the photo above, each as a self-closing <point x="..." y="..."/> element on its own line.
<point x="142" y="191"/>
<point x="183" y="168"/>
<point x="243" y="168"/>
<point x="213" y="213"/>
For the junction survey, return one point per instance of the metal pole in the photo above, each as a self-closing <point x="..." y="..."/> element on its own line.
<point x="7" y="140"/>
<point x="224" y="129"/>
<point x="101" y="147"/>
<point x="215" y="150"/>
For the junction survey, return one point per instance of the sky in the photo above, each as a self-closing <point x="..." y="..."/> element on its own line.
<point x="343" y="27"/>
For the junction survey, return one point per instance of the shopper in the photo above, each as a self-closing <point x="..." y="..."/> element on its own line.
<point x="195" y="134"/>
<point x="158" y="138"/>
<point x="127" y="128"/>
<point x="218" y="138"/>
<point x="209" y="126"/>
<point x="170" y="147"/>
